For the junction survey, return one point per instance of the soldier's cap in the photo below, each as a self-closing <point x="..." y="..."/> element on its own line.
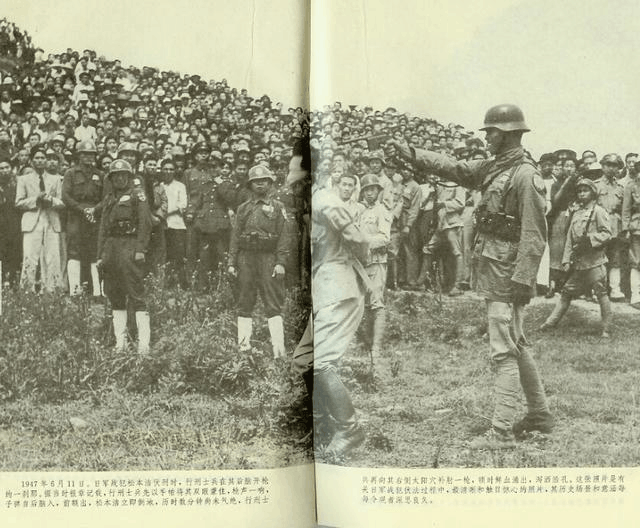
<point x="119" y="166"/>
<point x="563" y="154"/>
<point x="612" y="159"/>
<point x="50" y="153"/>
<point x="260" y="172"/>
<point x="58" y="138"/>
<point x="547" y="157"/>
<point x="376" y="154"/>
<point x="127" y="147"/>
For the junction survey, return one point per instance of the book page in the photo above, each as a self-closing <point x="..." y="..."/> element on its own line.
<point x="145" y="375"/>
<point x="432" y="356"/>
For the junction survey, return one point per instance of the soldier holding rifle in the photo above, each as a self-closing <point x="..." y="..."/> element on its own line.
<point x="508" y="247"/>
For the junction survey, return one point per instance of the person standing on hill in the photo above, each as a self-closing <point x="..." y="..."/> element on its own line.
<point x="508" y="247"/>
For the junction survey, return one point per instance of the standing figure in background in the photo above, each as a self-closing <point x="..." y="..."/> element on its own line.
<point x="82" y="190"/>
<point x="375" y="223"/>
<point x="584" y="256"/>
<point x="39" y="195"/>
<point x="609" y="196"/>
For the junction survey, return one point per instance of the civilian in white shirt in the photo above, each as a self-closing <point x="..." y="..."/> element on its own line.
<point x="85" y="132"/>
<point x="176" y="234"/>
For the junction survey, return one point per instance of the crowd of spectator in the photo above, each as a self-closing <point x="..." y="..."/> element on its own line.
<point x="59" y="102"/>
<point x="70" y="104"/>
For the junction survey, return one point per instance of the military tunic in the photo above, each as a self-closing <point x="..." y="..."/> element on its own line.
<point x="610" y="194"/>
<point x="210" y="198"/>
<point x="375" y="223"/>
<point x="508" y="247"/>
<point x="259" y="242"/>
<point x="82" y="189"/>
<point x="588" y="264"/>
<point x="125" y="229"/>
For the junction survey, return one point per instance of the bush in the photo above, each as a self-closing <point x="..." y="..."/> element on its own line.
<point x="53" y="347"/>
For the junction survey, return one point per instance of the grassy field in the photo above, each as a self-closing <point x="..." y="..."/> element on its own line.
<point x="431" y="392"/>
<point x="68" y="401"/>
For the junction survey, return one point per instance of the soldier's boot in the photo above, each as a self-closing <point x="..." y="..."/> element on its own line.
<point x="144" y="332"/>
<point x="245" y="328"/>
<point x="95" y="280"/>
<point x="605" y="315"/>
<point x="322" y="422"/>
<point x="120" y="329"/>
<point x="538" y="417"/>
<point x="276" y="331"/>
<point x="379" y="317"/>
<point x="634" y="283"/>
<point x="73" y="273"/>
<point x="615" y="294"/>
<point x="424" y="278"/>
<point x="332" y="394"/>
<point x="558" y="312"/>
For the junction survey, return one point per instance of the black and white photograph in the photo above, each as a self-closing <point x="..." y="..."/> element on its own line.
<point x="155" y="255"/>
<point x="324" y="261"/>
<point x="486" y="156"/>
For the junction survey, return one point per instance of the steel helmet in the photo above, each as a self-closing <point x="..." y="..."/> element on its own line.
<point x="586" y="182"/>
<point x="86" y="146"/>
<point x="120" y="166"/>
<point x="505" y="117"/>
<point x="260" y="172"/>
<point x="369" y="180"/>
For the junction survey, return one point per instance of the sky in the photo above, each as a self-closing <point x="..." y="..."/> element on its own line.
<point x="572" y="66"/>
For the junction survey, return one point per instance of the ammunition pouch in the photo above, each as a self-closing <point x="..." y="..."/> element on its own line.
<point x="499" y="225"/>
<point x="258" y="242"/>
<point x="123" y="228"/>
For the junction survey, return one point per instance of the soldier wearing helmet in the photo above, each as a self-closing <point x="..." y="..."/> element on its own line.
<point x="584" y="255"/>
<point x="508" y="246"/>
<point x="123" y="241"/>
<point x="258" y="251"/>
<point x="375" y="223"/>
<point x="609" y="195"/>
<point x="82" y="192"/>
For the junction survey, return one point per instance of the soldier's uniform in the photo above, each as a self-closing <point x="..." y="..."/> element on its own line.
<point x="510" y="240"/>
<point x="610" y="193"/>
<point x="259" y="242"/>
<point x="82" y="190"/>
<point x="339" y="282"/>
<point x="584" y="256"/>
<point x="631" y="227"/>
<point x="450" y="205"/>
<point x="411" y="199"/>
<point x="375" y="223"/>
<point x="209" y="202"/>
<point x="125" y="229"/>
